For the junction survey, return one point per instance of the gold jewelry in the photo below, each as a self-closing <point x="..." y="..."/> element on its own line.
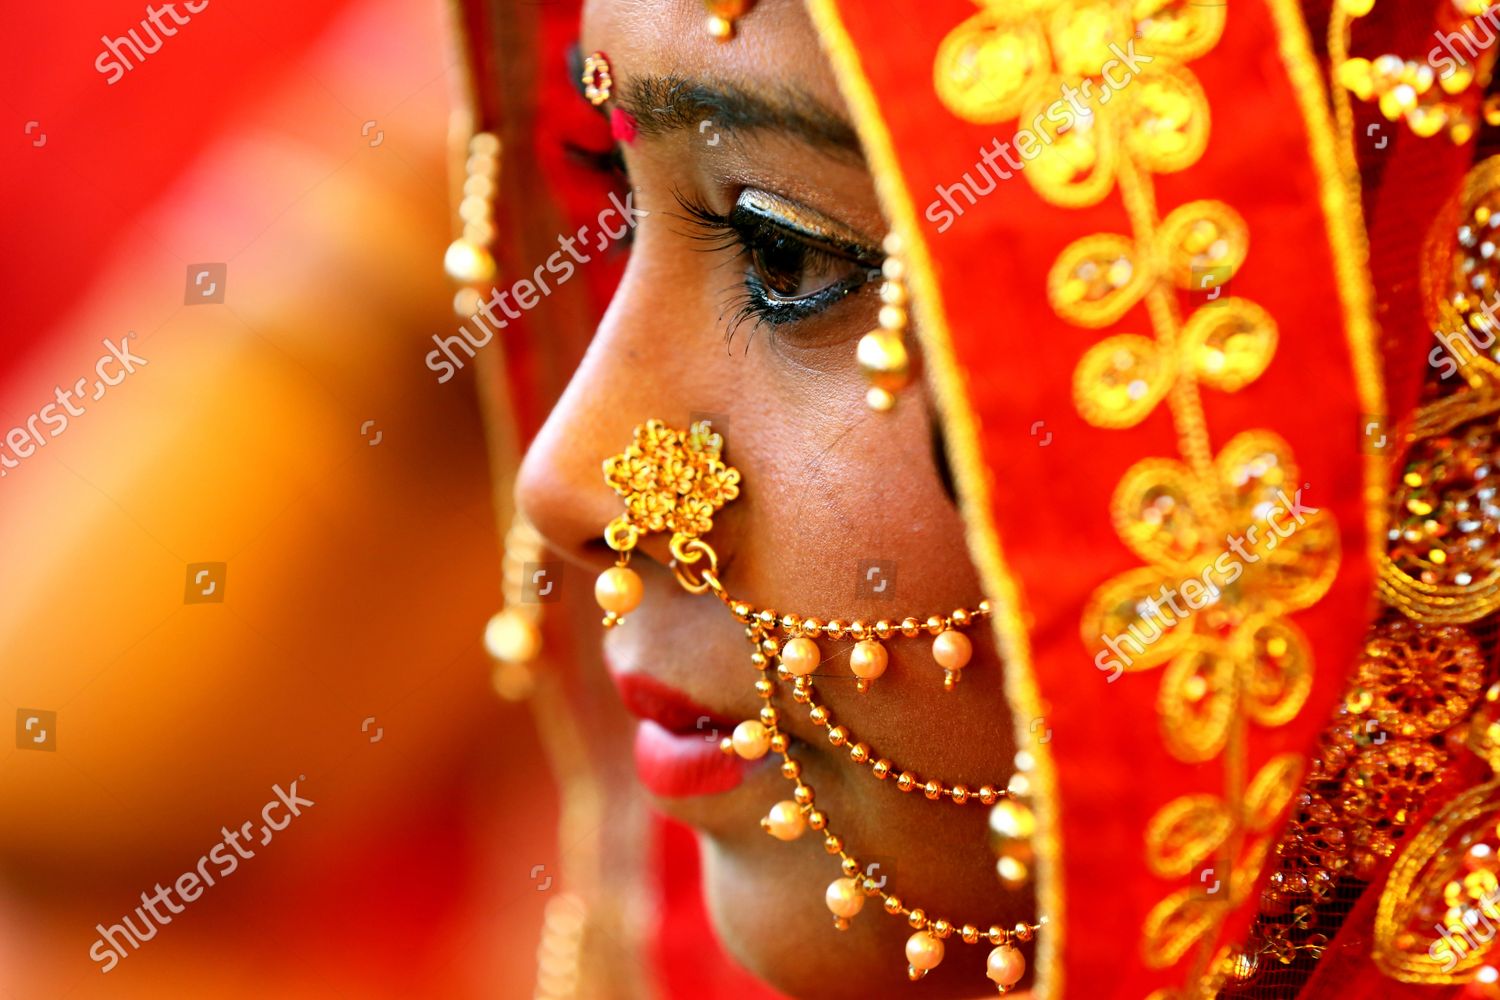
<point x="513" y="635"/>
<point x="597" y="80"/>
<point x="671" y="481"/>
<point x="676" y="481"/>
<point x="882" y="352"/>
<point x="468" y="260"/>
<point x="721" y="17"/>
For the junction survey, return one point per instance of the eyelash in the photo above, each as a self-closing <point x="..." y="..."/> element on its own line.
<point x="751" y="237"/>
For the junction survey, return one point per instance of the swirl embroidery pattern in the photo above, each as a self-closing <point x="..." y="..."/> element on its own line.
<point x="1237" y="659"/>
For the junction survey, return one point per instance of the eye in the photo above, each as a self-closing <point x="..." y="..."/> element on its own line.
<point x="796" y="264"/>
<point x="790" y="268"/>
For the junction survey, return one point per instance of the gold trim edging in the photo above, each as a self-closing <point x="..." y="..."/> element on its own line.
<point x="960" y="431"/>
<point x="1343" y="212"/>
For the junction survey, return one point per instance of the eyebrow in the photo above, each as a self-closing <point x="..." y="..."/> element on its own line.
<point x="662" y="105"/>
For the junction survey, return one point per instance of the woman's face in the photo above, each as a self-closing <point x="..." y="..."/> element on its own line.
<point x="748" y="286"/>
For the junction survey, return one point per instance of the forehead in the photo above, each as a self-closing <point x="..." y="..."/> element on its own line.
<point x="775" y="45"/>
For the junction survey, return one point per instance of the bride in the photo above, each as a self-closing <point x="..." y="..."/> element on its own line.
<point x="865" y="498"/>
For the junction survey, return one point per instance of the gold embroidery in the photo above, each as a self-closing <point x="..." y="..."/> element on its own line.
<point x="1420" y="681"/>
<point x="1233" y="651"/>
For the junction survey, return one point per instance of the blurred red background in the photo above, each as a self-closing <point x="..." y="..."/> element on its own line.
<point x="303" y="147"/>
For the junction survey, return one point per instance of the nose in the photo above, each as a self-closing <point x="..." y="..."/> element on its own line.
<point x="636" y="368"/>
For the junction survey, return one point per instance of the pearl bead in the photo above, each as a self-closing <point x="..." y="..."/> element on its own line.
<point x="619" y="590"/>
<point x="510" y="637"/>
<point x="751" y="740"/>
<point x="923" y="951"/>
<point x="800" y="656"/>
<point x="844" y="898"/>
<point x="952" y="649"/>
<point x="785" y="821"/>
<point x="868" y="659"/>
<point x="1005" y="966"/>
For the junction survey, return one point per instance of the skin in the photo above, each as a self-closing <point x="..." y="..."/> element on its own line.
<point x="828" y="485"/>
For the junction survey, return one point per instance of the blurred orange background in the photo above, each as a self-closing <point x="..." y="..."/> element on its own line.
<point x="292" y="433"/>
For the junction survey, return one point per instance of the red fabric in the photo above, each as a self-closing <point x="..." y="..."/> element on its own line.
<point x="1051" y="504"/>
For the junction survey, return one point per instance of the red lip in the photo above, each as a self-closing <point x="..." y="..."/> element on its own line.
<point x="677" y="751"/>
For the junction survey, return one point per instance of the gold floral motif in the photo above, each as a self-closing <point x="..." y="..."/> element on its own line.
<point x="1021" y="58"/>
<point x="1178" y="922"/>
<point x="1229" y="346"/>
<point x="1420" y="680"/>
<point x="1120" y="380"/>
<point x="1233" y="649"/>
<point x="671" y="480"/>
<point x="1096" y="280"/>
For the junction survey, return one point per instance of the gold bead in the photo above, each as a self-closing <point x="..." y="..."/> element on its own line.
<point x="779" y="743"/>
<point x="988" y="794"/>
<point x="834" y="630"/>
<point x="941" y="928"/>
<point x="720" y="29"/>
<point x="832" y="844"/>
<point x="764" y="688"/>
<point x="910" y="627"/>
<point x="997" y="934"/>
<point x="849" y="867"/>
<point x="917" y="918"/>
<point x="766" y="618"/>
<point x="741" y="611"/>
<point x="790" y="769"/>
<point x="816" y="820"/>
<point x="893" y="293"/>
<point x="934" y="625"/>
<point x="726" y="745"/>
<point x="892" y="318"/>
<point x="933" y="789"/>
<point x="959" y="794"/>
<point x="907" y="781"/>
<point x="769" y="715"/>
<point x="838" y="736"/>
<point x="859" y="753"/>
<point x="819" y="716"/>
<point x="770" y="647"/>
<point x="881" y="768"/>
<point x="883" y="357"/>
<point x="892" y="269"/>
<point x="803" y="794"/>
<point x="1023" y="932"/>
<point x="618" y="590"/>
<point x="511" y="637"/>
<point x="970" y="934"/>
<point x="883" y="629"/>
<point x="469" y="263"/>
<point x="791" y="623"/>
<point x="893" y="905"/>
<point x="961" y="618"/>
